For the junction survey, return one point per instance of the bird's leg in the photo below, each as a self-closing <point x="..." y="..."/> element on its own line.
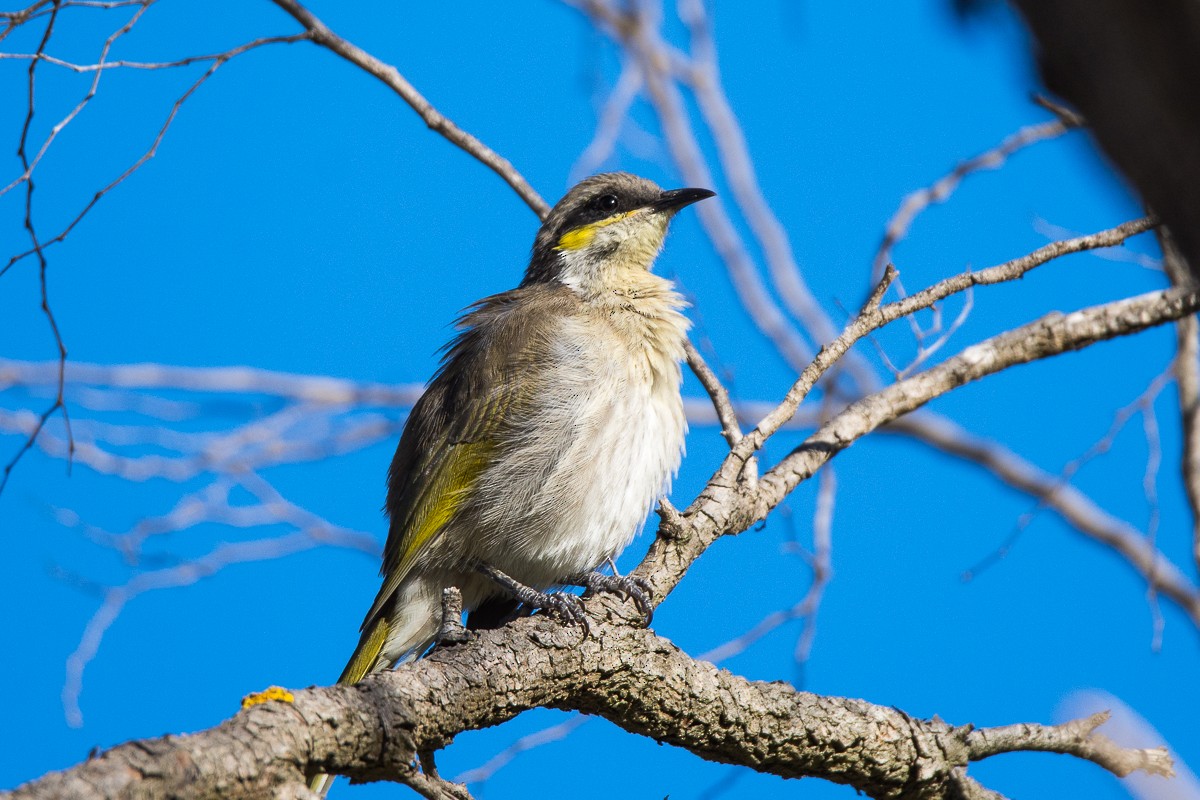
<point x="566" y="606"/>
<point x="452" y="630"/>
<point x="627" y="586"/>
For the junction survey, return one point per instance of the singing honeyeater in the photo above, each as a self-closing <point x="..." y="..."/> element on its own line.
<point x="552" y="426"/>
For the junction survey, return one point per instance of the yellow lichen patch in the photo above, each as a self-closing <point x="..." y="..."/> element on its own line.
<point x="267" y="695"/>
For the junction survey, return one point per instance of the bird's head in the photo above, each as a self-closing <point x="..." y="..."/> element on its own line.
<point x="604" y="226"/>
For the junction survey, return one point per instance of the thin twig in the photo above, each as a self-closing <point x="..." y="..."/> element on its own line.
<point x="608" y="127"/>
<point x="726" y="413"/>
<point x="30" y="166"/>
<point x="1142" y="404"/>
<point x="874" y="316"/>
<point x="912" y="205"/>
<point x="153" y="149"/>
<point x="310" y="531"/>
<point x="58" y="404"/>
<point x="636" y="33"/>
<point x="1070" y="504"/>
<point x="1078" y="738"/>
<point x="704" y="78"/>
<point x="554" y="733"/>
<point x="391" y="76"/>
<point x="39" y="247"/>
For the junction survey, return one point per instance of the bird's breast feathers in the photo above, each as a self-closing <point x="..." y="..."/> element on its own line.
<point x="597" y="441"/>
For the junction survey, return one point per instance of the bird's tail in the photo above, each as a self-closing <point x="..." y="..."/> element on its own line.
<point x="402" y="633"/>
<point x="362" y="663"/>
<point x="320" y="784"/>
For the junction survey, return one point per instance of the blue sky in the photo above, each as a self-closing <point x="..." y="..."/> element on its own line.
<point x="298" y="217"/>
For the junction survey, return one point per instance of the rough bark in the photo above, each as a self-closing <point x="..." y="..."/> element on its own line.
<point x="630" y="676"/>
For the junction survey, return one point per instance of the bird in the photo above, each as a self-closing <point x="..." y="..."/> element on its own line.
<point x="552" y="426"/>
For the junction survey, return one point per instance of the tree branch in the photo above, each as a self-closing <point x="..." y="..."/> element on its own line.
<point x="391" y="76"/>
<point x="1077" y="738"/>
<point x="726" y="413"/>
<point x="375" y="729"/>
<point x="911" y="207"/>
<point x="726" y="508"/>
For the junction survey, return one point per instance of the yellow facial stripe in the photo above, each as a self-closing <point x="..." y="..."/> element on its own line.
<point x="581" y="237"/>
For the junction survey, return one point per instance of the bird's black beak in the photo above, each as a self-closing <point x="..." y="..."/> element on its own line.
<point x="675" y="199"/>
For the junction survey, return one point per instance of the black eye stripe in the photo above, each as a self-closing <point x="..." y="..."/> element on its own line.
<point x="598" y="208"/>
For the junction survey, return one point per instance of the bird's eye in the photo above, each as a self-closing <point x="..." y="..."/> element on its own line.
<point x="607" y="202"/>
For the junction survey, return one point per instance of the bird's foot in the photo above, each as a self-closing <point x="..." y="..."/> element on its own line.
<point x="626" y="586"/>
<point x="567" y="607"/>
<point x="451" y="630"/>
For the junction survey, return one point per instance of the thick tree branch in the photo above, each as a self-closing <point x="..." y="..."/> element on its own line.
<point x="629" y="676"/>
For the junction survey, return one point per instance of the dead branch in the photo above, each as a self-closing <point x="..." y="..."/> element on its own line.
<point x="374" y="730"/>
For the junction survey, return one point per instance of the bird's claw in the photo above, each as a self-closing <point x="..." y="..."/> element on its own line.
<point x="627" y="586"/>
<point x="568" y="608"/>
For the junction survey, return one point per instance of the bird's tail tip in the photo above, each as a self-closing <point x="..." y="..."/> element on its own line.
<point x="320" y="784"/>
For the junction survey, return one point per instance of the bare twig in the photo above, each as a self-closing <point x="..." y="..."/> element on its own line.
<point x="1142" y="404"/>
<point x="1126" y="727"/>
<point x="153" y="149"/>
<point x="391" y="76"/>
<point x="717" y="392"/>
<point x="1119" y="253"/>
<point x="1065" y="114"/>
<point x="39" y="246"/>
<point x="60" y="345"/>
<point x="912" y="205"/>
<point x="40" y="55"/>
<point x="1074" y="507"/>
<point x="822" y="562"/>
<point x="871" y="317"/>
<point x="704" y="78"/>
<point x="554" y="733"/>
<point x="874" y="316"/>
<point x="124" y="384"/>
<point x="1078" y="738"/>
<point x="806" y="608"/>
<point x="102" y="64"/>
<point x="310" y="531"/>
<point x="608" y="127"/>
<point x="654" y="58"/>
